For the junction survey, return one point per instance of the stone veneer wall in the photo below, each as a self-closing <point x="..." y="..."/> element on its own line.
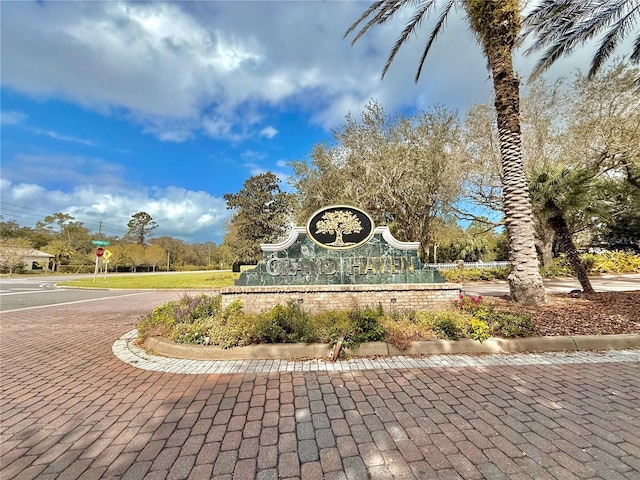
<point x="318" y="298"/>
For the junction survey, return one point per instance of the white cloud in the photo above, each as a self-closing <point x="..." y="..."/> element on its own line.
<point x="190" y="215"/>
<point x="12" y="118"/>
<point x="268" y="132"/>
<point x="65" y="138"/>
<point x="29" y="168"/>
<point x="179" y="68"/>
<point x="251" y="155"/>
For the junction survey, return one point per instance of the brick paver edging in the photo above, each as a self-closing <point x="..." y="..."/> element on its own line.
<point x="125" y="349"/>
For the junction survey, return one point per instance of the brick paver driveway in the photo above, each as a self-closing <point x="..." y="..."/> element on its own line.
<point x="71" y="409"/>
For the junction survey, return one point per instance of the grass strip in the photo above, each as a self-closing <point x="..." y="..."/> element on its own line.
<point x="195" y="280"/>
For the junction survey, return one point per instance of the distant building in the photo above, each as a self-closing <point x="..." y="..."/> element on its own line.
<point x="30" y="258"/>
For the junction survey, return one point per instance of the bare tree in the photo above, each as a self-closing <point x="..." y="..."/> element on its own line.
<point x="13" y="252"/>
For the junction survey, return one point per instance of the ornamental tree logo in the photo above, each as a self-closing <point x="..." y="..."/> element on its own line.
<point x="339" y="223"/>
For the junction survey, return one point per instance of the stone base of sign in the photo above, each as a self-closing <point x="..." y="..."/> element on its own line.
<point x="317" y="298"/>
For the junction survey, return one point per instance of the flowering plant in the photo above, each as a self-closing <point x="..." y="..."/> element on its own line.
<point x="469" y="303"/>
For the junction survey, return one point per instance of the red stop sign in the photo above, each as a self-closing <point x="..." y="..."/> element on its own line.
<point x="99" y="251"/>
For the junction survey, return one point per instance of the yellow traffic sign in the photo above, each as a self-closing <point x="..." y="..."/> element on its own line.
<point x="106" y="255"/>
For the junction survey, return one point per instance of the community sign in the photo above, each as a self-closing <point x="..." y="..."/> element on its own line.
<point x="339" y="245"/>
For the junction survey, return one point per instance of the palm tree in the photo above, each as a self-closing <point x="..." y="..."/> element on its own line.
<point x="561" y="25"/>
<point x="557" y="190"/>
<point x="496" y="25"/>
<point x="60" y="249"/>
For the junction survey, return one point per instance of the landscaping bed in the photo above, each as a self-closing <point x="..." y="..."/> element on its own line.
<point x="605" y="313"/>
<point x="201" y="320"/>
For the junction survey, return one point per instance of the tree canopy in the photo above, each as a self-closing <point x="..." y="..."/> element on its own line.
<point x="403" y="171"/>
<point x="141" y="227"/>
<point x="262" y="214"/>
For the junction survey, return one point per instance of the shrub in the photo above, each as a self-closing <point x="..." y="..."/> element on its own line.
<point x="401" y="330"/>
<point x="426" y="320"/>
<point x="446" y="328"/>
<point x="366" y="324"/>
<point x="475" y="274"/>
<point x="332" y="324"/>
<point x="202" y="320"/>
<point x="478" y="330"/>
<point x="510" y="325"/>
<point x="288" y="324"/>
<point x="614" y="262"/>
<point x="189" y="309"/>
<point x="196" y="332"/>
<point x="556" y="270"/>
<point x="148" y="326"/>
<point x="158" y="322"/>
<point x="75" y="269"/>
<point x="234" y="329"/>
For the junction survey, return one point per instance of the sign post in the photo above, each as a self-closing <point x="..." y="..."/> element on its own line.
<point x="99" y="253"/>
<point x="95" y="272"/>
<point x="105" y="261"/>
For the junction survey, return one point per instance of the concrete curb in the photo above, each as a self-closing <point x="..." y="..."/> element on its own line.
<point x="167" y="348"/>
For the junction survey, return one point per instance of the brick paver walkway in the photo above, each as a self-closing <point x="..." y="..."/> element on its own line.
<point x="71" y="409"/>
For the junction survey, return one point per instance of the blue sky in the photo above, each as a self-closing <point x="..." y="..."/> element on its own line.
<point x="110" y="108"/>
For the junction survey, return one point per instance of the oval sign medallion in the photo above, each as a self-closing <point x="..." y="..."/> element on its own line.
<point x="340" y="227"/>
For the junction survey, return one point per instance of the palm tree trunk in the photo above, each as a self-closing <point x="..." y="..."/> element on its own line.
<point x="525" y="281"/>
<point x="546" y="251"/>
<point x="559" y="225"/>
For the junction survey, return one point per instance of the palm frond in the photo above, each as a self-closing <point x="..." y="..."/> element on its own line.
<point x="385" y="10"/>
<point x="551" y="17"/>
<point x="561" y="25"/>
<point x="617" y="32"/>
<point x="635" y="55"/>
<point x="410" y="28"/>
<point x="372" y="8"/>
<point x="434" y="34"/>
<point x="548" y="58"/>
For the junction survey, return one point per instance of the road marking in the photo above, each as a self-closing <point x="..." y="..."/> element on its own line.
<point x="29" y="291"/>
<point x="101" y="299"/>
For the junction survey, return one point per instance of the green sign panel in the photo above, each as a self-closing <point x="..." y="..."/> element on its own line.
<point x="102" y="243"/>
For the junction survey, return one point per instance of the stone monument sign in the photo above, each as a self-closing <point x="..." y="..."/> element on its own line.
<point x="340" y="246"/>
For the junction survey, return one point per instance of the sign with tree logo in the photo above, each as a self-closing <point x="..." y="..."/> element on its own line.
<point x="339" y="245"/>
<point x="340" y="227"/>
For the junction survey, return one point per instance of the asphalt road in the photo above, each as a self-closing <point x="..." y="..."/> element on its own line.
<point x="20" y="293"/>
<point x="604" y="283"/>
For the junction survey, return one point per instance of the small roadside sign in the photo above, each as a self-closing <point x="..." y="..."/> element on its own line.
<point x="99" y="251"/>
<point x="106" y="255"/>
<point x="102" y="243"/>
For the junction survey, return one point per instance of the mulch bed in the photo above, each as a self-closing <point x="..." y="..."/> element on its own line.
<point x="605" y="313"/>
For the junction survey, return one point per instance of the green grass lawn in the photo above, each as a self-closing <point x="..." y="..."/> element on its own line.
<point x="198" y="280"/>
